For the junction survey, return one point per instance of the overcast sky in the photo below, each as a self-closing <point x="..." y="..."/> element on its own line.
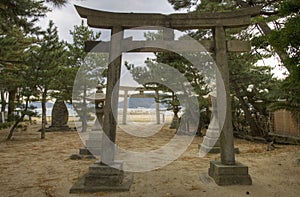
<point x="66" y="17"/>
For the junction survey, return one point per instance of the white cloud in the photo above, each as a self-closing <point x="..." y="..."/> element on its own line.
<point x="66" y="17"/>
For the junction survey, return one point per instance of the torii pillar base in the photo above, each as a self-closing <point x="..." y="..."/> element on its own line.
<point x="103" y="177"/>
<point x="223" y="175"/>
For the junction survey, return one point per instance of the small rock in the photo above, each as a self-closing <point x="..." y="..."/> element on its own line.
<point x="75" y="157"/>
<point x="247" y="193"/>
<point x="298" y="162"/>
<point x="270" y="146"/>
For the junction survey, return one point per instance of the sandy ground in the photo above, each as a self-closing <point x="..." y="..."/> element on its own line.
<point x="33" y="167"/>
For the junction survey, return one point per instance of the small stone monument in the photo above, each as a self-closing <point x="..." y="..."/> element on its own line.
<point x="60" y="116"/>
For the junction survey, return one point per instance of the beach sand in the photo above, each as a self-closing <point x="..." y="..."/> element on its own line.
<point x="30" y="166"/>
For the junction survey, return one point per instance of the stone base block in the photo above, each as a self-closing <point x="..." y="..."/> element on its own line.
<point x="229" y="174"/>
<point x="93" y="180"/>
<point x="104" y="178"/>
<point x="80" y="187"/>
<point x="58" y="128"/>
<point x="84" y="151"/>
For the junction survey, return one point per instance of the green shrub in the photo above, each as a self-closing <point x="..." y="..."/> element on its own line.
<point x="5" y="125"/>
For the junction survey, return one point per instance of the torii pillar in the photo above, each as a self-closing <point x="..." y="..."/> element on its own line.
<point x="227" y="171"/>
<point x="107" y="174"/>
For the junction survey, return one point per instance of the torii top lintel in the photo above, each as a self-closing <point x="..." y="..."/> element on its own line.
<point x="181" y="21"/>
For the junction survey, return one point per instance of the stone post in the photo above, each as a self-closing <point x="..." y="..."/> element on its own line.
<point x="226" y="171"/>
<point x="227" y="144"/>
<point x="112" y="96"/>
<point x="107" y="174"/>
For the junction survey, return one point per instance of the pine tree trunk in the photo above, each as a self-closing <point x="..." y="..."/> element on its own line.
<point x="18" y="121"/>
<point x="11" y="104"/>
<point x="44" y="111"/>
<point x="3" y="101"/>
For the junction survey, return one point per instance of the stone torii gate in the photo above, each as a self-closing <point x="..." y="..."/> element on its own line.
<point x="225" y="172"/>
<point x="141" y="89"/>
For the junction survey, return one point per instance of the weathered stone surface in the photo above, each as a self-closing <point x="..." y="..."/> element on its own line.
<point x="104" y="178"/>
<point x="236" y="174"/>
<point x="177" y="45"/>
<point x="105" y="170"/>
<point x="226" y="137"/>
<point x="79" y="186"/>
<point x="182" y="21"/>
<point x="112" y="95"/>
<point x="110" y="180"/>
<point x="59" y="116"/>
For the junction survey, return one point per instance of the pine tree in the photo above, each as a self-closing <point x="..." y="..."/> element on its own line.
<point x="88" y="68"/>
<point x="46" y="61"/>
<point x="21" y="13"/>
<point x="243" y="71"/>
<point x="13" y="48"/>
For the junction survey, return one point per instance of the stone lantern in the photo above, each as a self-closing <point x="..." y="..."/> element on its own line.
<point x="94" y="142"/>
<point x="100" y="176"/>
<point x="99" y="99"/>
<point x="211" y="142"/>
<point x="176" y="109"/>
